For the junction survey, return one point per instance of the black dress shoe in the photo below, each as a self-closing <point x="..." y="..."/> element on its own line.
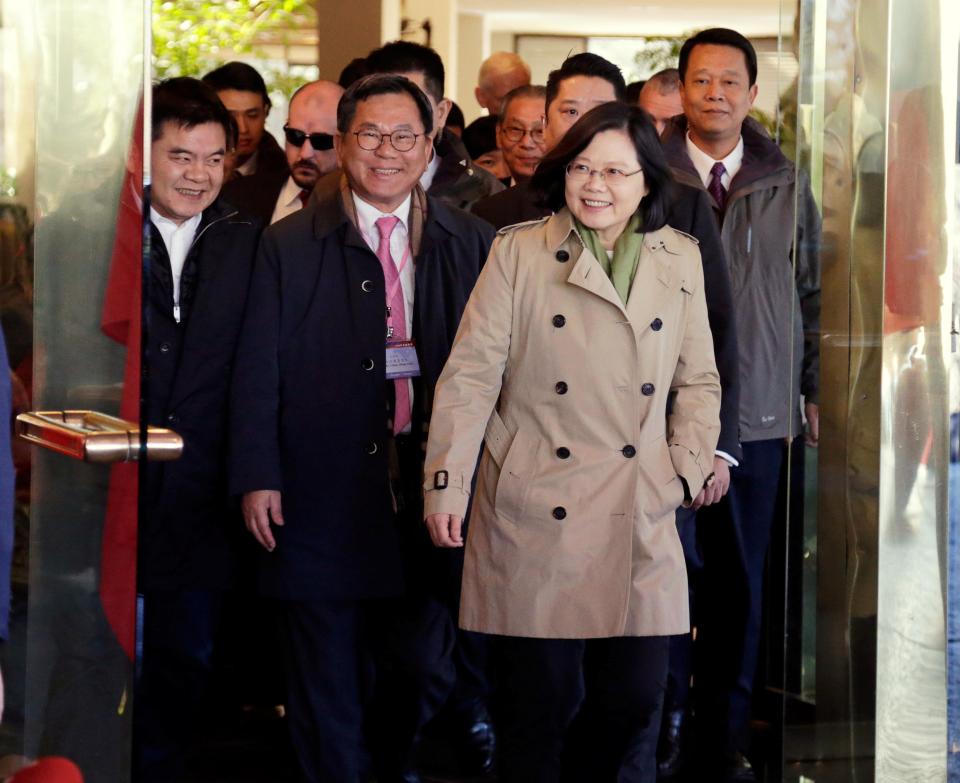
<point x="738" y="769"/>
<point x="476" y="743"/>
<point x="670" y="750"/>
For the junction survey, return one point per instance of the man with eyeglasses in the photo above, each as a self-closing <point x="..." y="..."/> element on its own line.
<point x="520" y="131"/>
<point x="311" y="123"/>
<point x="352" y="312"/>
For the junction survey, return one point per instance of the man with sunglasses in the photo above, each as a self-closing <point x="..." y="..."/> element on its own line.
<point x="311" y="123"/>
<point x="520" y="131"/>
<point x="352" y="313"/>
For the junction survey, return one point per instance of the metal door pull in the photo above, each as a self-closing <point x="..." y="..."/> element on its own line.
<point x="96" y="437"/>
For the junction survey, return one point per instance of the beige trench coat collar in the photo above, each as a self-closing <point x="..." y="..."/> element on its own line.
<point x="561" y="233"/>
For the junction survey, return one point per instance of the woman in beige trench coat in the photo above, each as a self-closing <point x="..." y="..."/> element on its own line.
<point x="580" y="328"/>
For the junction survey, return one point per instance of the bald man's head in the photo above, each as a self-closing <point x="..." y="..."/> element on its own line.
<point x="660" y="97"/>
<point x="311" y="123"/>
<point x="500" y="73"/>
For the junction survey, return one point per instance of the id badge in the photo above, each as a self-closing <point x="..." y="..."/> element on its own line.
<point x="402" y="360"/>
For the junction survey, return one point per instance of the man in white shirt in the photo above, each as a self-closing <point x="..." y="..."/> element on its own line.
<point x="201" y="257"/>
<point x="309" y="130"/>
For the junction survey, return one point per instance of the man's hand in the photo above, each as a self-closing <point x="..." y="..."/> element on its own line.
<point x="260" y="508"/>
<point x="445" y="530"/>
<point x="812" y="411"/>
<point x="721" y="483"/>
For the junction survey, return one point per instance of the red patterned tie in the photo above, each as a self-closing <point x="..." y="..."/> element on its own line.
<point x="715" y="186"/>
<point x="398" y="317"/>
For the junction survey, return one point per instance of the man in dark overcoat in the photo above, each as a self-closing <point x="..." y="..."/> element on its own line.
<point x="201" y="253"/>
<point x="354" y="306"/>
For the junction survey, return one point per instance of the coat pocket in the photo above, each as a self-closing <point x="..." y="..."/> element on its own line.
<point x="516" y="458"/>
<point x="668" y="492"/>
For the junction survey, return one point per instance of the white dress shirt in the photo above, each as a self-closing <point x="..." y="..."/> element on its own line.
<point x="367" y="216"/>
<point x="288" y="201"/>
<point x="177" y="239"/>
<point x="426" y="179"/>
<point x="703" y="162"/>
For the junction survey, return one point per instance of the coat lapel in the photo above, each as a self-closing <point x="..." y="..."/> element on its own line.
<point x="654" y="279"/>
<point x="587" y="272"/>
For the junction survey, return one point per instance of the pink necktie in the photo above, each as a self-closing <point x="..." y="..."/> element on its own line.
<point x="398" y="316"/>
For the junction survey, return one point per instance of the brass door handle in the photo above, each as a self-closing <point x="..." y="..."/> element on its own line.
<point x="96" y="437"/>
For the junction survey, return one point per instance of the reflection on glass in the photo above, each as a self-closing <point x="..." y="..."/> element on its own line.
<point x="872" y="103"/>
<point x="74" y="66"/>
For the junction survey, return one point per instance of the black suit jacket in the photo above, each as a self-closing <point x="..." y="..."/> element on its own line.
<point x="691" y="213"/>
<point x="309" y="410"/>
<point x="190" y="532"/>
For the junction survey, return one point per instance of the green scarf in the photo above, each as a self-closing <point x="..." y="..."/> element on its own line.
<point x="626" y="254"/>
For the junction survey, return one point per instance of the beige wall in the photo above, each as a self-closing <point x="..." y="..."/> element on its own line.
<point x="341" y="38"/>
<point x="473" y="51"/>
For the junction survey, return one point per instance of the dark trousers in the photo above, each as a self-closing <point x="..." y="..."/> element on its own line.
<point x="375" y="670"/>
<point x="570" y="709"/>
<point x="734" y="536"/>
<point x="178" y="634"/>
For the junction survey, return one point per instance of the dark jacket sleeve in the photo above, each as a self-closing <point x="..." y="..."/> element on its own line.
<point x="808" y="288"/>
<point x="255" y="387"/>
<point x="6" y="491"/>
<point x="716" y="280"/>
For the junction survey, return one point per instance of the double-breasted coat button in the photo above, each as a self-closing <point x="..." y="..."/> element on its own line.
<point x="559" y="321"/>
<point x="372" y="448"/>
<point x="173" y="418"/>
<point x="367" y="286"/>
<point x="559" y="513"/>
<point x="367" y="364"/>
<point x="647" y="389"/>
<point x="563" y="452"/>
<point x="656" y="325"/>
<point x="562" y="255"/>
<point x="628" y="451"/>
<point x="164" y="347"/>
<point x="561" y="387"/>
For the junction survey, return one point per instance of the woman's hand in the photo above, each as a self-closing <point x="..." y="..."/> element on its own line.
<point x="445" y="530"/>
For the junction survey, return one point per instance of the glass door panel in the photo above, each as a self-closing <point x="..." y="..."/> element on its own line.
<point x="70" y="84"/>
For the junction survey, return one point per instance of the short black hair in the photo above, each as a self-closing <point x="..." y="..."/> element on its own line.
<point x="189" y="102"/>
<point x="238" y="76"/>
<point x="408" y="57"/>
<point x="455" y="117"/>
<point x="525" y="91"/>
<point x="480" y="136"/>
<point x="381" y="84"/>
<point x="549" y="180"/>
<point x="720" y="36"/>
<point x="586" y="64"/>
<point x="353" y="71"/>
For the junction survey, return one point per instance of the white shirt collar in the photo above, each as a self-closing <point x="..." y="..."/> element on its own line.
<point x="703" y="162"/>
<point x="249" y="165"/>
<point x="426" y="179"/>
<point x="367" y="216"/>
<point x="290" y="194"/>
<point x="168" y="228"/>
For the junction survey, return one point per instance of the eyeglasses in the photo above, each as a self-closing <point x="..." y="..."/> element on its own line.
<point x="580" y="172"/>
<point x="515" y="133"/>
<point x="401" y="140"/>
<point x="319" y="141"/>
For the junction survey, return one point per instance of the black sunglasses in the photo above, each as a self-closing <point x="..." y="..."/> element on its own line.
<point x="319" y="141"/>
